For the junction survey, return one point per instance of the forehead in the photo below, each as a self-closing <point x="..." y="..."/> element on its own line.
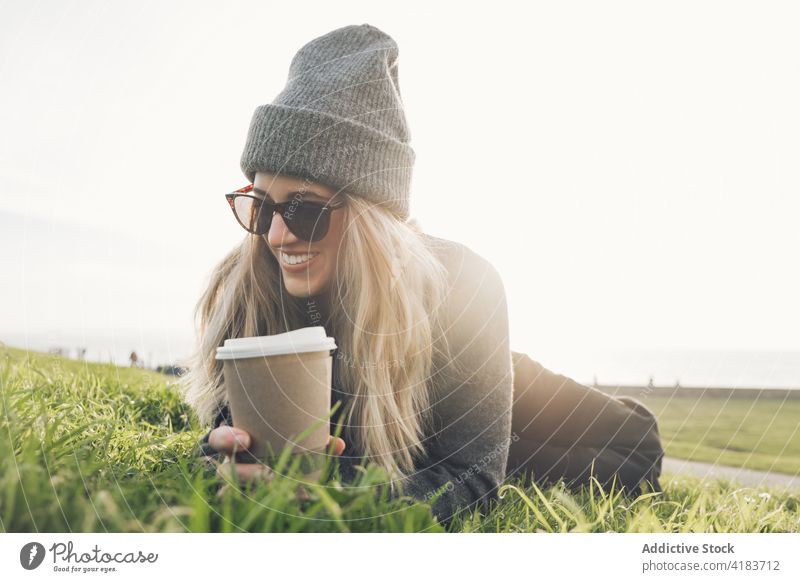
<point x="278" y="185"/>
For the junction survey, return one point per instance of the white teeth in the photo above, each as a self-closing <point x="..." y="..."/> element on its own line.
<point x="296" y="259"/>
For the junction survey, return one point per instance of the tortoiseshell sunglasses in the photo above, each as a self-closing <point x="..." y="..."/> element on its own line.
<point x="306" y="220"/>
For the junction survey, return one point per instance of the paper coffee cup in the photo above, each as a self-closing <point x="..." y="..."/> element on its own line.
<point x="278" y="387"/>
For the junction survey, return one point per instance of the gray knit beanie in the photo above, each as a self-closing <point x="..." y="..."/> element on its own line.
<point x="339" y="120"/>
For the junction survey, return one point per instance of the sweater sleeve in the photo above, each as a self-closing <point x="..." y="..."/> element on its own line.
<point x="471" y="396"/>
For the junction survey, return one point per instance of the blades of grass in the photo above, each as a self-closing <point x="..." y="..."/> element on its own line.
<point x="691" y="517"/>
<point x="548" y="506"/>
<point x="573" y="510"/>
<point x="227" y="507"/>
<point x="409" y="524"/>
<point x="200" y="520"/>
<point x="296" y="524"/>
<point x="36" y="370"/>
<point x="256" y="510"/>
<point x="64" y="439"/>
<point x="528" y="503"/>
<point x="744" y="509"/>
<point x="598" y="501"/>
<point x="284" y="459"/>
<point x="270" y="513"/>
<point x="645" y="496"/>
<point x="645" y="520"/>
<point x="333" y="508"/>
<point x="611" y="504"/>
<point x="12" y="484"/>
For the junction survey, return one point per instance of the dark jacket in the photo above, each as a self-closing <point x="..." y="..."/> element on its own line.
<point x="559" y="426"/>
<point x="563" y="429"/>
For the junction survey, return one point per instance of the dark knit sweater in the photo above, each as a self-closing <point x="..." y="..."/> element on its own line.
<point x="470" y="394"/>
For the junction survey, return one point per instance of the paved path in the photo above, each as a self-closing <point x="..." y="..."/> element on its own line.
<point x="747" y="477"/>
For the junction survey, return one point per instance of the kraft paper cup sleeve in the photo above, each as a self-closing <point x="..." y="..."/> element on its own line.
<point x="276" y="398"/>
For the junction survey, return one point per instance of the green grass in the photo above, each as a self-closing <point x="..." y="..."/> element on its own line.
<point x="91" y="448"/>
<point x="761" y="434"/>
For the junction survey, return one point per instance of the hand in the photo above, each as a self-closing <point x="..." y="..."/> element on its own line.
<point x="231" y="440"/>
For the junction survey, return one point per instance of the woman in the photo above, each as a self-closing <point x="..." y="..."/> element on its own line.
<point x="423" y="368"/>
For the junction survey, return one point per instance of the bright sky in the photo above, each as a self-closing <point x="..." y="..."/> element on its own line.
<point x="631" y="169"/>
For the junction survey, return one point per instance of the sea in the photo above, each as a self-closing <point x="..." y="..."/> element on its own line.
<point x="591" y="366"/>
<point x="706" y="368"/>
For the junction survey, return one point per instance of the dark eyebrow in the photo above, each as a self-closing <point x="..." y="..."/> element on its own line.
<point x="303" y="194"/>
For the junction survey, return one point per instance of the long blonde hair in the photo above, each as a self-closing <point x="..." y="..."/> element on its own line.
<point x="385" y="303"/>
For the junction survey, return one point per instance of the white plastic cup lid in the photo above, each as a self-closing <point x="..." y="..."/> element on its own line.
<point x="306" y="339"/>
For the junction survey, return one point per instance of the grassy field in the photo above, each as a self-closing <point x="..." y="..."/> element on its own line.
<point x="762" y="434"/>
<point x="93" y="448"/>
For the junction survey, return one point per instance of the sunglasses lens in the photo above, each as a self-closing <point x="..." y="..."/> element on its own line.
<point x="308" y="221"/>
<point x="252" y="214"/>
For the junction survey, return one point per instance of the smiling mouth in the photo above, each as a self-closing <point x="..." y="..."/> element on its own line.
<point x="292" y="260"/>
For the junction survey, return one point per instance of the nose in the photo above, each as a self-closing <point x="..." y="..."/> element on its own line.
<point x="279" y="234"/>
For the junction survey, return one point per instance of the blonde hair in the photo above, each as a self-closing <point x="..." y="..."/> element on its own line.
<point x="385" y="302"/>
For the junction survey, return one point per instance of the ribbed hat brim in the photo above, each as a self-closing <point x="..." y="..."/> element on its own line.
<point x="339" y="152"/>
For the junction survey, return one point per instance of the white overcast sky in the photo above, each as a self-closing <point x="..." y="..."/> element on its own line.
<point x="630" y="168"/>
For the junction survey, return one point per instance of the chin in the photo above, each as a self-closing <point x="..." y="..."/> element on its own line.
<point x="300" y="288"/>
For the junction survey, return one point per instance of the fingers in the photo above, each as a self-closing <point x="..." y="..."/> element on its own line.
<point x="228" y="439"/>
<point x="247" y="472"/>
<point x="339" y="446"/>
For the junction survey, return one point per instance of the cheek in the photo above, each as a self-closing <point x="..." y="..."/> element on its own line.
<point x="342" y="223"/>
<point x="333" y="242"/>
<point x="335" y="236"/>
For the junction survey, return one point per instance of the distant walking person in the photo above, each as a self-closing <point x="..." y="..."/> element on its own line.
<point x="134" y="360"/>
